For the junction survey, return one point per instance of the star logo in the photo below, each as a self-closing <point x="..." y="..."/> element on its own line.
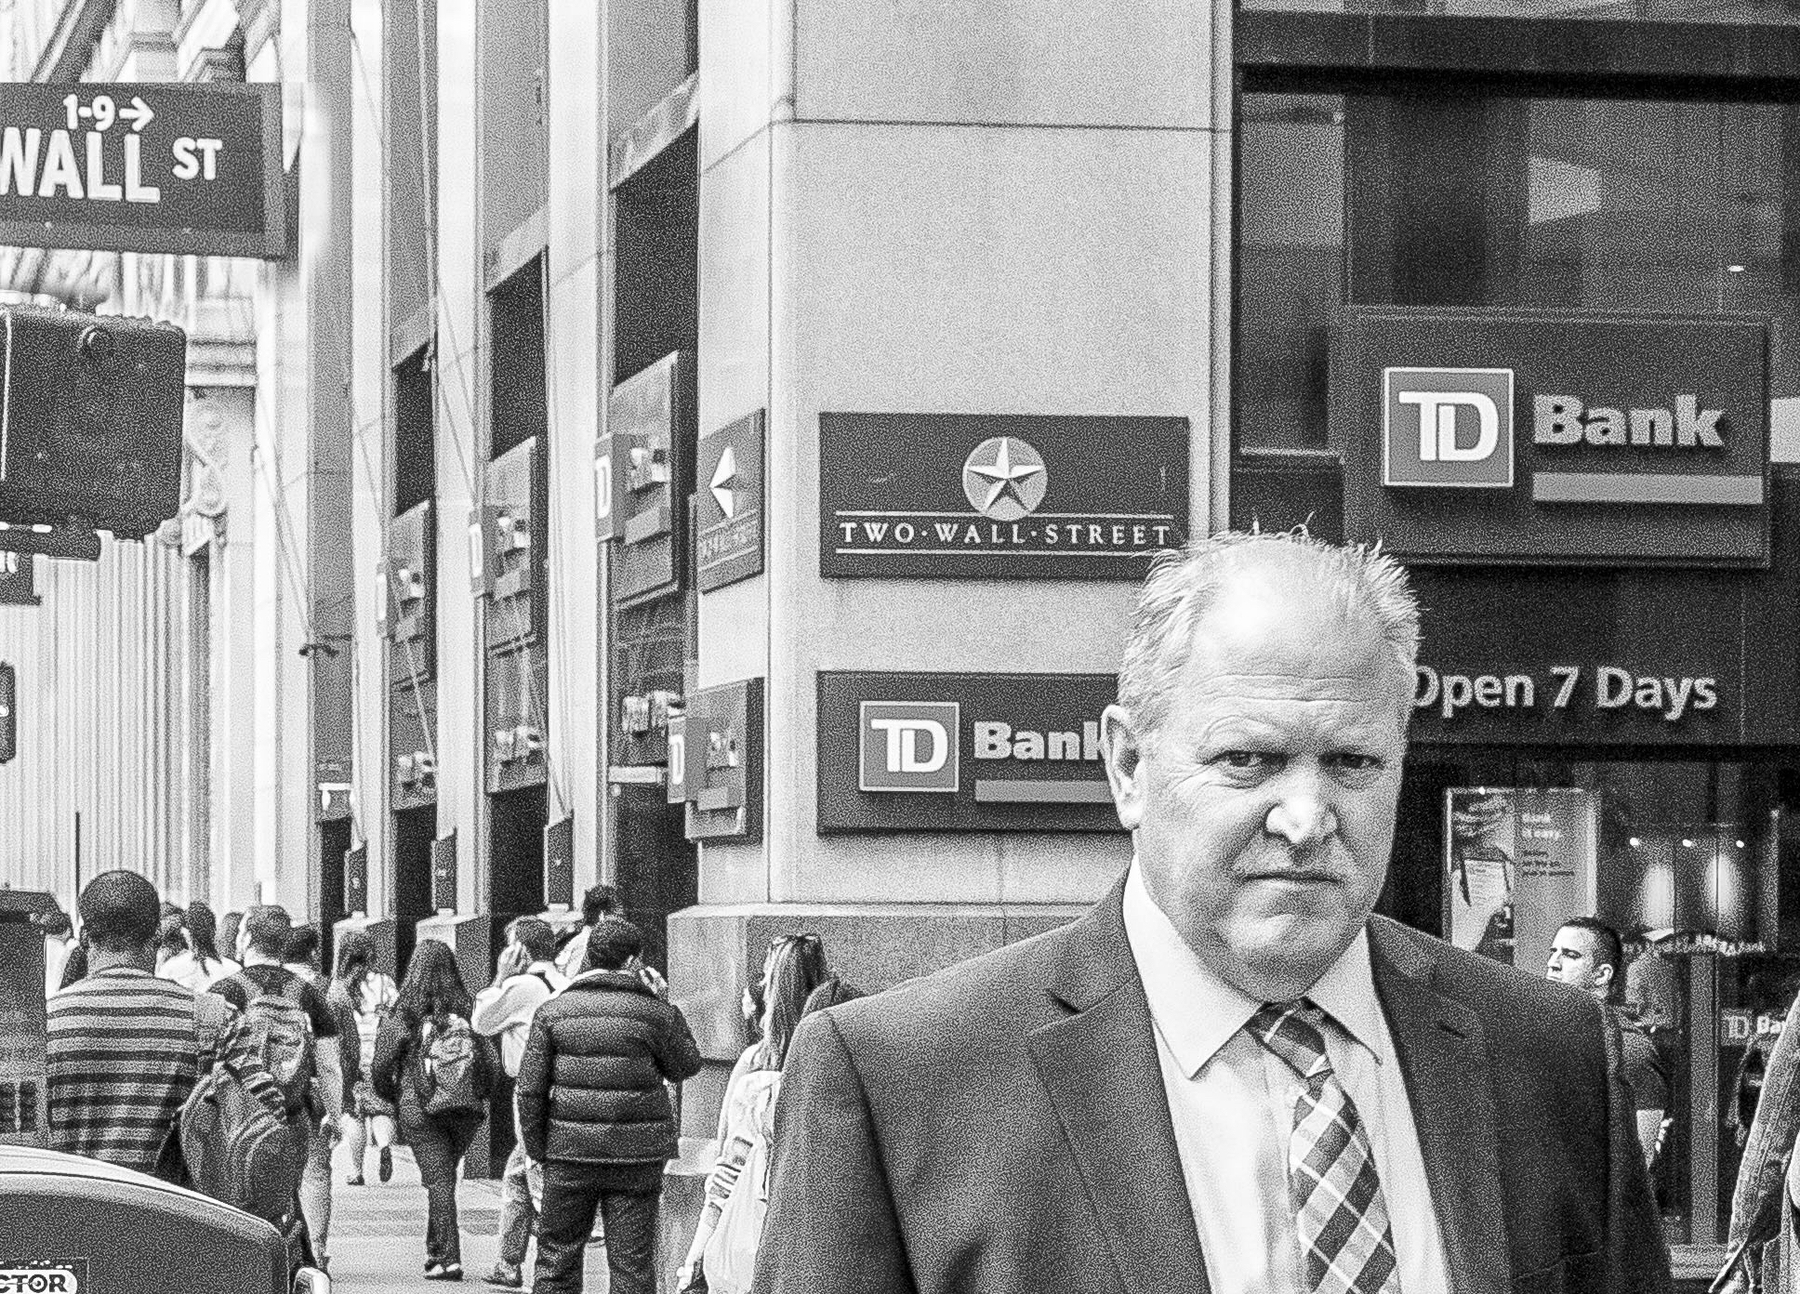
<point x="1004" y="478"/>
<point x="724" y="477"/>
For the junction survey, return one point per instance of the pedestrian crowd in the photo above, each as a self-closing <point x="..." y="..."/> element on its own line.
<point x="163" y="1020"/>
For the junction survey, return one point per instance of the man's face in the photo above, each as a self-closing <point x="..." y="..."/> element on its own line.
<point x="1573" y="961"/>
<point x="1262" y="808"/>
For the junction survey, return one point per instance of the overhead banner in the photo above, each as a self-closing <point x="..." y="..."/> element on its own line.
<point x="143" y="167"/>
<point x="1554" y="437"/>
<point x="1518" y="864"/>
<point x="999" y="496"/>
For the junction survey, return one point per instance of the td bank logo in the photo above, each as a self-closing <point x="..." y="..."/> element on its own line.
<point x="909" y="746"/>
<point x="1447" y="427"/>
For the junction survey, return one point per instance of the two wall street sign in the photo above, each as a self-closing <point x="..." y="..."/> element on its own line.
<point x="999" y="496"/>
<point x="143" y="167"/>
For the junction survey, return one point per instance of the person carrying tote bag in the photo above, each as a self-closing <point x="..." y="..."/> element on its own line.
<point x="723" y="1252"/>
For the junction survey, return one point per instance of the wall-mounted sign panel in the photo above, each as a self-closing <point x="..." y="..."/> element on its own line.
<point x="356" y="880"/>
<point x="517" y="701"/>
<point x="963" y="752"/>
<point x="143" y="167"/>
<point x="559" y="863"/>
<point x="716" y="764"/>
<point x="18" y="579"/>
<point x="412" y="754"/>
<point x="443" y="872"/>
<point x="651" y="423"/>
<point x="985" y="496"/>
<point x="1554" y="437"/>
<point x="332" y="786"/>
<point x="651" y="644"/>
<point x="729" y="545"/>
<point x="407" y="592"/>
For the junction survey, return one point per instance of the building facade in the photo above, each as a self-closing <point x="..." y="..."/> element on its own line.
<point x="710" y="446"/>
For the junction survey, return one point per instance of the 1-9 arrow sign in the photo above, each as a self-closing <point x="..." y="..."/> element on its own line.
<point x="143" y="167"/>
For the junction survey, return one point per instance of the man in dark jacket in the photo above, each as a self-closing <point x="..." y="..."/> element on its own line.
<point x="593" y="1110"/>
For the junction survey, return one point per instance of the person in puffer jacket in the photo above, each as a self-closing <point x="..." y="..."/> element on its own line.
<point x="593" y="1110"/>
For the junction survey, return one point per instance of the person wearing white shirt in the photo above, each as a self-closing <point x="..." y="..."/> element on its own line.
<point x="524" y="979"/>
<point x="58" y="944"/>
<point x="198" y="966"/>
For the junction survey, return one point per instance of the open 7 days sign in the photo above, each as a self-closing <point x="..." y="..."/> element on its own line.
<point x="1554" y="437"/>
<point x="143" y="167"/>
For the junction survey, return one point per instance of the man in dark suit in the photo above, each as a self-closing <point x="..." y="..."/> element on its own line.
<point x="1227" y="1076"/>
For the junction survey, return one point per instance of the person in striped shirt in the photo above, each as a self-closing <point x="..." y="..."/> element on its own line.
<point x="125" y="1047"/>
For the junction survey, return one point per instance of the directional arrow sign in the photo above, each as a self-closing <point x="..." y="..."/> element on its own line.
<point x="143" y="168"/>
<point x="722" y="478"/>
<point x="138" y="114"/>
<point x="731" y="510"/>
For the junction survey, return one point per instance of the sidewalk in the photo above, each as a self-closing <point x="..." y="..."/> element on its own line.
<point x="378" y="1234"/>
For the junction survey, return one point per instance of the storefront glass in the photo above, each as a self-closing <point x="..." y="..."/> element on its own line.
<point x="1753" y="12"/>
<point x="1459" y="199"/>
<point x="1683" y="858"/>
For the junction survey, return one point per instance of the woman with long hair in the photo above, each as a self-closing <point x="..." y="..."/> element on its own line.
<point x="437" y="1071"/>
<point x="794" y="968"/>
<point x="196" y="964"/>
<point x="360" y="989"/>
<point x="171" y="939"/>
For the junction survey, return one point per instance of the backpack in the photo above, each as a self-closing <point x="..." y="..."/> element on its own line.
<point x="230" y="1145"/>
<point x="283" y="1037"/>
<point x="448" y="1077"/>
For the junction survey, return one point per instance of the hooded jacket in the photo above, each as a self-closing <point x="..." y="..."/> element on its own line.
<point x="591" y="1081"/>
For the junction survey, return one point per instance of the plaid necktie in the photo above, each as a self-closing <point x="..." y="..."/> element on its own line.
<point x="1339" y="1211"/>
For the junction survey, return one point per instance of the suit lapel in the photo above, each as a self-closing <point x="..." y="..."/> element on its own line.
<point x="1444" y="1061"/>
<point x="1100" y="1068"/>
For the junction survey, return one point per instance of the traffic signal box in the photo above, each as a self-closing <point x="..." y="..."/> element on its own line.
<point x="90" y="420"/>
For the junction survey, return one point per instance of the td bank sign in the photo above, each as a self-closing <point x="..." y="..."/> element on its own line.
<point x="1549" y="437"/>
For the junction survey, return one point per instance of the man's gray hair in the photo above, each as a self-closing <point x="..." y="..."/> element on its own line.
<point x="1357" y="580"/>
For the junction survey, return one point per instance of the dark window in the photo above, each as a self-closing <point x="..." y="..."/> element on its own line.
<point x="1453" y="199"/>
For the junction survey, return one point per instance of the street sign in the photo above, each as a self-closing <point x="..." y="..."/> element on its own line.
<point x="143" y="167"/>
<point x="9" y="713"/>
<point x="730" y="502"/>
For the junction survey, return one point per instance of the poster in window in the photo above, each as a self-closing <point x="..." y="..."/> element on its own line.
<point x="1518" y="863"/>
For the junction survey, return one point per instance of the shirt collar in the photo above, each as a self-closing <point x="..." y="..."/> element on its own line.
<point x="1197" y="1013"/>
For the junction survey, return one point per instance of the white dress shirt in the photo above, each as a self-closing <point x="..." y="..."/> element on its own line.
<point x="1232" y="1103"/>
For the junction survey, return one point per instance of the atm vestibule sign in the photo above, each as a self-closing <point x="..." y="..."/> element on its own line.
<point x="143" y="167"/>
<point x="1551" y="437"/>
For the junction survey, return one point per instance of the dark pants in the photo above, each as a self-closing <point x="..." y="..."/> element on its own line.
<point x="572" y="1191"/>
<point x="438" y="1144"/>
